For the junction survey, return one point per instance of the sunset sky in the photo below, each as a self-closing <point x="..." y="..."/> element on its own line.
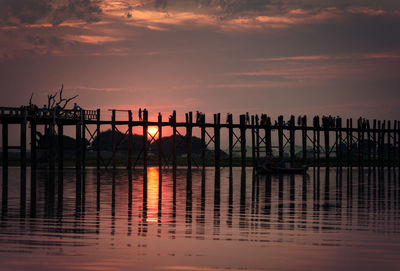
<point x="339" y="57"/>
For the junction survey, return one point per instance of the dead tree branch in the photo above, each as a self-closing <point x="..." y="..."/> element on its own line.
<point x="61" y="103"/>
<point x="30" y="100"/>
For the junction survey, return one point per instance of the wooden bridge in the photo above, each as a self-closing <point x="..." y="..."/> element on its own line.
<point x="370" y="143"/>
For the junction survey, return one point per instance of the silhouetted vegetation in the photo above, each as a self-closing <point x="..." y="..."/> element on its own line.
<point x="122" y="142"/>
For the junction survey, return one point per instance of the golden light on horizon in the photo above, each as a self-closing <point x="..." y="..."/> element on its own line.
<point x="152" y="130"/>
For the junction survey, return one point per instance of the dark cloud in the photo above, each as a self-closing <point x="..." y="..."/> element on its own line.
<point x="85" y="10"/>
<point x="24" y="12"/>
<point x="161" y="4"/>
<point x="36" y="40"/>
<point x="49" y="41"/>
<point x="234" y="8"/>
<point x="21" y="12"/>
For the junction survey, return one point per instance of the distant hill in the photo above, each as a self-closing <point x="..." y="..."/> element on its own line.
<point x="120" y="139"/>
<point x="44" y="142"/>
<point x="137" y="143"/>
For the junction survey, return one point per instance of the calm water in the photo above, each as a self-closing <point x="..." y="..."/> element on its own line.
<point x="328" y="220"/>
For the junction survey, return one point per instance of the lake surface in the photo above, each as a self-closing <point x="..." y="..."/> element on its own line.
<point x="152" y="220"/>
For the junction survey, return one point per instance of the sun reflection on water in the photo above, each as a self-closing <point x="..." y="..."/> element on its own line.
<point x="152" y="193"/>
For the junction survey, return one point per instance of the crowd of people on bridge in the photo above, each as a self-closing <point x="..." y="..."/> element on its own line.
<point x="33" y="109"/>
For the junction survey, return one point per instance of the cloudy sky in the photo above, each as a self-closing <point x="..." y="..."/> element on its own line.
<point x="339" y="57"/>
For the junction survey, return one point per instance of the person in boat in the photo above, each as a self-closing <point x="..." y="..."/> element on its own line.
<point x="269" y="163"/>
<point x="280" y="164"/>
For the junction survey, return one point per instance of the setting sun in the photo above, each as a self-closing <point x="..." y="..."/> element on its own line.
<point x="152" y="130"/>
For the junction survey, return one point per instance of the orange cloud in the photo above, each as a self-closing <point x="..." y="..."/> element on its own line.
<point x="92" y="39"/>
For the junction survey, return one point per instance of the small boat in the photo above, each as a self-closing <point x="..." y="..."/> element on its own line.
<point x="281" y="170"/>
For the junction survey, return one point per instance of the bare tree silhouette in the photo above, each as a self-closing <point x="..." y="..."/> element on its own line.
<point x="56" y="103"/>
<point x="61" y="103"/>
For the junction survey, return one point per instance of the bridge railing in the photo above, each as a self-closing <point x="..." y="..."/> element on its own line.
<point x="11" y="111"/>
<point x="90" y="114"/>
<point x="44" y="113"/>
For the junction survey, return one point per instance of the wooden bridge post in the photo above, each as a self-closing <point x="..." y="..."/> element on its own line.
<point x="374" y="143"/>
<point x="98" y="145"/>
<point x="23" y="140"/>
<point x="243" y="140"/>
<point x="52" y="144"/>
<point x="304" y="137"/>
<point x="50" y="182"/>
<point x="379" y="143"/>
<point x="230" y="128"/>
<point x="113" y="140"/>
<point x="83" y="121"/>
<point x="159" y="141"/>
<point x="33" y="164"/>
<point x="349" y="141"/>
<point x="203" y="140"/>
<point x="280" y="137"/>
<point x="130" y="139"/>
<point x="145" y="137"/>
<point x="292" y="139"/>
<point x="217" y="138"/>
<point x="394" y="148"/>
<point x="318" y="126"/>
<point x="60" y="143"/>
<point x="341" y="140"/>
<point x="60" y="162"/>
<point x="314" y="129"/>
<point x="267" y="133"/>
<point x="368" y="131"/>
<point x="23" y="160"/>
<point x="257" y="138"/>
<point x="79" y="142"/>
<point x="78" y="159"/>
<point x="398" y="143"/>
<point x="174" y="140"/>
<point x="338" y="129"/>
<point x="359" y="155"/>
<point x="253" y="143"/>
<point x="336" y="144"/>
<point x="383" y="133"/>
<point x="388" y="144"/>
<point x="268" y="139"/>
<point x="326" y="126"/>
<point x="78" y="148"/>
<point x="316" y="145"/>
<point x="5" y="165"/>
<point x="189" y="126"/>
<point x="33" y="160"/>
<point x="364" y="144"/>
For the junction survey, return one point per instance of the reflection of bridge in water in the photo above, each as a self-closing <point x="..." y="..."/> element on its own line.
<point x="210" y="203"/>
